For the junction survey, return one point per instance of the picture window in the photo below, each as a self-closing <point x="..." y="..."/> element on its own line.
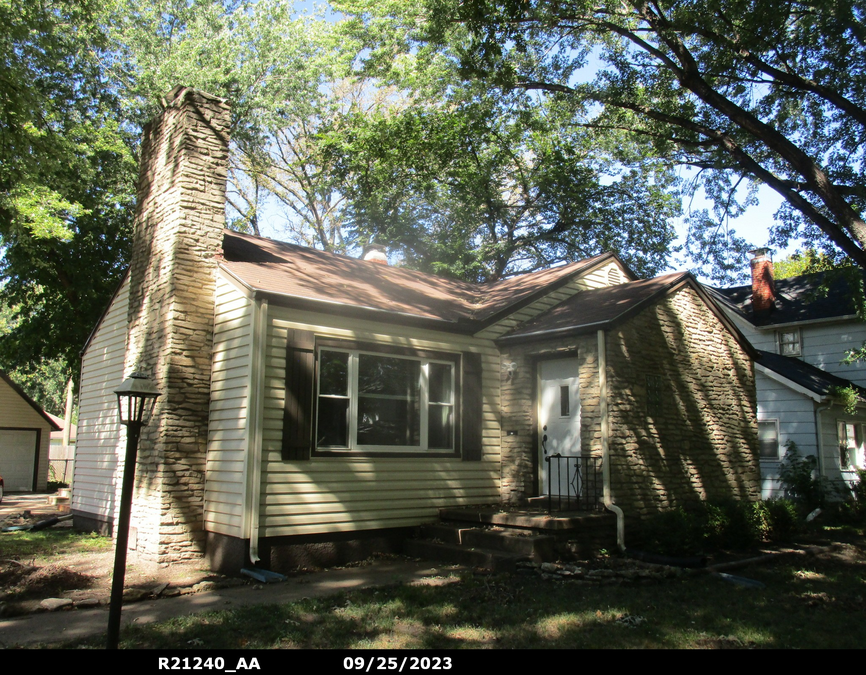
<point x="381" y="402"/>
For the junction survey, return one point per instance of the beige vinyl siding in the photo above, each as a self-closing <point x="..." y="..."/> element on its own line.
<point x="228" y="420"/>
<point x="346" y="493"/>
<point x="596" y="278"/>
<point x="16" y="413"/>
<point x="99" y="431"/>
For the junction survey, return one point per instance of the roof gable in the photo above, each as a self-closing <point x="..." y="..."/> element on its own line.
<point x="29" y="401"/>
<point x="297" y="274"/>
<point x="604" y="308"/>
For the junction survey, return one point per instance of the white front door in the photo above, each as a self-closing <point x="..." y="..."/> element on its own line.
<point x="559" y="424"/>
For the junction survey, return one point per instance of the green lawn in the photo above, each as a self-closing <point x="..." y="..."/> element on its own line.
<point x="47" y="543"/>
<point x="806" y="603"/>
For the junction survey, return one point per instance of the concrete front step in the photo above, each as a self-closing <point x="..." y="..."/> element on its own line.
<point x="529" y="520"/>
<point x="495" y="561"/>
<point x="535" y="547"/>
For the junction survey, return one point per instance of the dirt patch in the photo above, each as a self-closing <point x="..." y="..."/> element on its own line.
<point x="86" y="577"/>
<point x="22" y="582"/>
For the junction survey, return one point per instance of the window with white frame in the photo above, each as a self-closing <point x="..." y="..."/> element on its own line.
<point x="789" y="342"/>
<point x="851" y="450"/>
<point x="371" y="401"/>
<point x="768" y="439"/>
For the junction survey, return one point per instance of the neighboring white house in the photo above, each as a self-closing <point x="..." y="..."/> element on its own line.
<point x="60" y="456"/>
<point x="24" y="438"/>
<point x="803" y="327"/>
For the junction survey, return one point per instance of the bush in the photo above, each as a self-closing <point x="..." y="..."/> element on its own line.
<point x="785" y="519"/>
<point x="721" y="525"/>
<point x="797" y="475"/>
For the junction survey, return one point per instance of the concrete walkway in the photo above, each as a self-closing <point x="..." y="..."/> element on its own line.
<point x="53" y="627"/>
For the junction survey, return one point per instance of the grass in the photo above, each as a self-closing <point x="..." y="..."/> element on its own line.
<point x="807" y="603"/>
<point x="47" y="543"/>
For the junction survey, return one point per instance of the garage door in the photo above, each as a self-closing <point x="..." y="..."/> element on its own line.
<point x="17" y="457"/>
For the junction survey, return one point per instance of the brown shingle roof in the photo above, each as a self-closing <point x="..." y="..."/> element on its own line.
<point x="602" y="308"/>
<point x="289" y="271"/>
<point x="598" y="307"/>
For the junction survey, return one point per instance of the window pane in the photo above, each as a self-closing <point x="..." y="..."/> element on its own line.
<point x="441" y="387"/>
<point x="768" y="440"/>
<point x="388" y="376"/>
<point x="334" y="373"/>
<point x="789" y="343"/>
<point x="440" y="427"/>
<point x="333" y="423"/>
<point x="388" y="421"/>
<point x="564" y="402"/>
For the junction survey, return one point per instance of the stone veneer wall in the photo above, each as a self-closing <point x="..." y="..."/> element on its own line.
<point x="519" y="383"/>
<point x="702" y="442"/>
<point x="178" y="234"/>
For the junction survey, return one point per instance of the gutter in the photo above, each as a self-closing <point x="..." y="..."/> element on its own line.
<point x="605" y="443"/>
<point x="804" y="322"/>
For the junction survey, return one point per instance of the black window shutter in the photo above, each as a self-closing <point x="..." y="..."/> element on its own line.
<point x="471" y="422"/>
<point x="298" y="412"/>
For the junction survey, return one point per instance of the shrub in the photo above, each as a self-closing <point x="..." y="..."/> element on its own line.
<point x="802" y="485"/>
<point x="785" y="519"/>
<point x="721" y="525"/>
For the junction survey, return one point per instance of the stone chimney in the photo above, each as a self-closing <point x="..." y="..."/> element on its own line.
<point x="763" y="284"/>
<point x="178" y="233"/>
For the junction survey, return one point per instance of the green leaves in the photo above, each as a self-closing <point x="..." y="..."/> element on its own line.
<point x="750" y="88"/>
<point x="484" y="188"/>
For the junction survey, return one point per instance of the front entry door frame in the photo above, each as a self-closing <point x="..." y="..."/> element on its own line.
<point x="558" y="410"/>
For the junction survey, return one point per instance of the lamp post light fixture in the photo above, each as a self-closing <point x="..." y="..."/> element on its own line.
<point x="136" y="398"/>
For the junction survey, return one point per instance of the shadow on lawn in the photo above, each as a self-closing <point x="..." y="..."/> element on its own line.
<point x="807" y="602"/>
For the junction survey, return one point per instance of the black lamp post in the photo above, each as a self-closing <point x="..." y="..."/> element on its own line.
<point x="136" y="399"/>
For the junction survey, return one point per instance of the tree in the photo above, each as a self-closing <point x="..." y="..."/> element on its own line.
<point x="740" y="90"/>
<point x="803" y="262"/>
<point x="66" y="182"/>
<point x="278" y="71"/>
<point x="482" y="189"/>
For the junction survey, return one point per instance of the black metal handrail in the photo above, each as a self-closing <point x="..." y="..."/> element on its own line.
<point x="574" y="483"/>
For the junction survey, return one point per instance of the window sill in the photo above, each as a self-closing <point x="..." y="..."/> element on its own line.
<point x="416" y="454"/>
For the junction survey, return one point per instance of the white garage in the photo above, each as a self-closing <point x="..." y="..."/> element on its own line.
<point x="25" y="436"/>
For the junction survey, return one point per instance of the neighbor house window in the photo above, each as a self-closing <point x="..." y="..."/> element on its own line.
<point x="850" y="444"/>
<point x="768" y="439"/>
<point x="381" y="402"/>
<point x="789" y="342"/>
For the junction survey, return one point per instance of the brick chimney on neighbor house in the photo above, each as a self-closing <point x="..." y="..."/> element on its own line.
<point x="763" y="284"/>
<point x="178" y="233"/>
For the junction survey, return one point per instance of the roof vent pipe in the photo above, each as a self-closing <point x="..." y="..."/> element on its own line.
<point x="763" y="284"/>
<point x="375" y="253"/>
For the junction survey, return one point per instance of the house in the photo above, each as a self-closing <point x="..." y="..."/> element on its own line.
<point x="25" y="430"/>
<point x="61" y="455"/>
<point x="317" y="402"/>
<point x="803" y="334"/>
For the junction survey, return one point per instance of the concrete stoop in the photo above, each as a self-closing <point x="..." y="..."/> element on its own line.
<point x="497" y="540"/>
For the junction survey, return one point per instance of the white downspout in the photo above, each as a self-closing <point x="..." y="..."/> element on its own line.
<point x="253" y="463"/>
<point x="605" y="445"/>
